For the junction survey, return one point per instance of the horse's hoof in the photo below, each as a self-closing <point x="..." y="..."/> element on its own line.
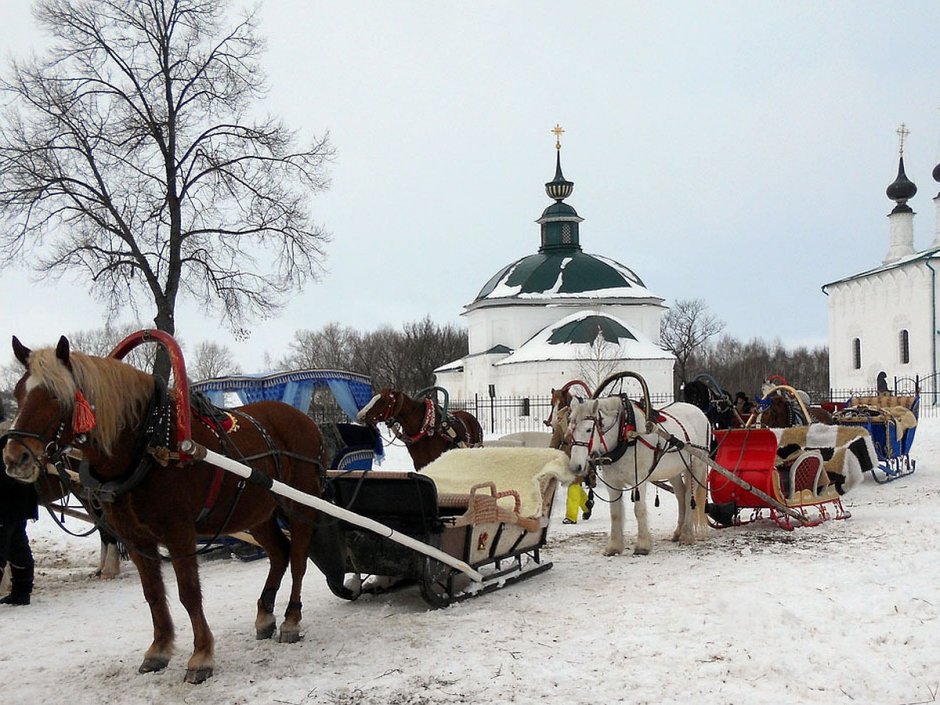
<point x="288" y="636"/>
<point x="266" y="632"/>
<point x="197" y="675"/>
<point x="153" y="664"/>
<point x="641" y="551"/>
<point x="613" y="551"/>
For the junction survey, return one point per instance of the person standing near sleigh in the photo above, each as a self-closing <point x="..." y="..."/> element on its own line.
<point x="18" y="503"/>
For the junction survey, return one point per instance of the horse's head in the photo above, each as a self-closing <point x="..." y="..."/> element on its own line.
<point x="45" y="395"/>
<point x="382" y="407"/>
<point x="696" y="392"/>
<point x="54" y="414"/>
<point x="593" y="431"/>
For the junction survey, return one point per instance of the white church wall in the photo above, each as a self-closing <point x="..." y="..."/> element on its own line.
<point x="875" y="309"/>
<point x="513" y="325"/>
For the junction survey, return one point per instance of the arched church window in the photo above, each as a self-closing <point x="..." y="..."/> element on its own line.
<point x="857" y="353"/>
<point x="904" y="347"/>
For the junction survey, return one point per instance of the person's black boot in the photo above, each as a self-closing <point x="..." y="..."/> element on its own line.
<point x="22" y="586"/>
<point x="15" y="598"/>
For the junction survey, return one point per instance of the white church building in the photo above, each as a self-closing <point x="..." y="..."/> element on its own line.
<point x="558" y="315"/>
<point x="885" y="319"/>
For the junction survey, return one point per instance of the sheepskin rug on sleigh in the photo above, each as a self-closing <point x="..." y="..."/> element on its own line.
<point x="525" y="470"/>
<point x="847" y="452"/>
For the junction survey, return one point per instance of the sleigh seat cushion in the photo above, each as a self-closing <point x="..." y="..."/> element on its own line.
<point x="520" y="476"/>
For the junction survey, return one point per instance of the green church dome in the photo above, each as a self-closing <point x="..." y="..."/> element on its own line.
<point x="560" y="269"/>
<point x="563" y="273"/>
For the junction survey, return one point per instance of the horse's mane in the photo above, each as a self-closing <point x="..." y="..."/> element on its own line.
<point x="118" y="393"/>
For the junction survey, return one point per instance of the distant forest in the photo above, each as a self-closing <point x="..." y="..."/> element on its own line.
<point x="405" y="358"/>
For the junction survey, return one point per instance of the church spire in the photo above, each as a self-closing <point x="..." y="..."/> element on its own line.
<point x="559" y="221"/>
<point x="902" y="189"/>
<point x="558" y="188"/>
<point x="901" y="217"/>
<point x="936" y="200"/>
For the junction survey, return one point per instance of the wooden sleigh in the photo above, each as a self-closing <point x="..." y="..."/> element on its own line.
<point x="801" y="484"/>
<point x="496" y="527"/>
<point x="892" y="423"/>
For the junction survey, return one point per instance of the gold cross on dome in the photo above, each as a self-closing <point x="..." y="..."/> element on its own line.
<point x="903" y="132"/>
<point x="558" y="132"/>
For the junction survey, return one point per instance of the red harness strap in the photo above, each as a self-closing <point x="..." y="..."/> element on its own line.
<point x="218" y="428"/>
<point x="427" y="426"/>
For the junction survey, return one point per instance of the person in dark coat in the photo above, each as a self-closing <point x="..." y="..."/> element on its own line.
<point x="18" y="504"/>
<point x="882" y="383"/>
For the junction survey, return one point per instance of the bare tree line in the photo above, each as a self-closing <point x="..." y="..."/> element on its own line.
<point x="688" y="330"/>
<point x="401" y="359"/>
<point x="743" y="366"/>
<point x="406" y="358"/>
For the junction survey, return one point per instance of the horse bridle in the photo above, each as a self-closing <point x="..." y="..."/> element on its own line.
<point x="596" y="420"/>
<point x="52" y="450"/>
<point x="392" y="408"/>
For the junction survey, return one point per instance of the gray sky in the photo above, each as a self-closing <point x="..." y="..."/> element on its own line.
<point x="733" y="151"/>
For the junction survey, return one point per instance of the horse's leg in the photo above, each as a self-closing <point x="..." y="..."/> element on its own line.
<point x="182" y="543"/>
<point x="276" y="545"/>
<point x="680" y="488"/>
<point x="643" y="540"/>
<point x="301" y="532"/>
<point x="109" y="565"/>
<point x="144" y="556"/>
<point x="615" y="541"/>
<point x="699" y="492"/>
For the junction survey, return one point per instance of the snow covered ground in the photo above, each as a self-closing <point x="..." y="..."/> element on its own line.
<point x="846" y="612"/>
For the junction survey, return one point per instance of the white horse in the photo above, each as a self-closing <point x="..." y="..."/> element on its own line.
<point x="597" y="433"/>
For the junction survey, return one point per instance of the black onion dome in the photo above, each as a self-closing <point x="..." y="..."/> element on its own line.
<point x="559" y="188"/>
<point x="936" y="173"/>
<point x="902" y="188"/>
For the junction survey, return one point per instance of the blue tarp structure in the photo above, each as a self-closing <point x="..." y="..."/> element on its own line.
<point x="352" y="391"/>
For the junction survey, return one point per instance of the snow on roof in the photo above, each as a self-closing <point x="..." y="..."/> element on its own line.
<point x="632" y="346"/>
<point x="929" y="253"/>
<point x="530" y="277"/>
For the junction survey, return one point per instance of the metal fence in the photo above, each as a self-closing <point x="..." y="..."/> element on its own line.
<point x="504" y="415"/>
<point x="514" y="414"/>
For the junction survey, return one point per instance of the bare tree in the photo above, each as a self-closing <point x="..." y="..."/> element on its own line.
<point x="599" y="361"/>
<point x="127" y="154"/>
<point x="212" y="360"/>
<point x="101" y="341"/>
<point x="331" y="347"/>
<point x="684" y="329"/>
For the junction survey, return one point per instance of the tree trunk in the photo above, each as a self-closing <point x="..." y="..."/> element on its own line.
<point x="164" y="321"/>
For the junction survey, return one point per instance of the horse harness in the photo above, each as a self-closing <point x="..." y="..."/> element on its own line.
<point x="434" y="423"/>
<point x="628" y="437"/>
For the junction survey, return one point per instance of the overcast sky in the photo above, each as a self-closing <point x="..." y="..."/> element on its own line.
<point x="735" y="151"/>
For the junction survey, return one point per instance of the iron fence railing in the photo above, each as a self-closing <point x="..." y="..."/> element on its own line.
<point x="515" y="414"/>
<point x="502" y="415"/>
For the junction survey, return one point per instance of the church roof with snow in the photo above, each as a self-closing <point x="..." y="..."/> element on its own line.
<point x="560" y="270"/>
<point x="573" y="337"/>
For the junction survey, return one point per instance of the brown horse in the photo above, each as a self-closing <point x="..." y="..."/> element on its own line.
<point x="153" y="496"/>
<point x="421" y="425"/>
<point x="783" y="413"/>
<point x="558" y="417"/>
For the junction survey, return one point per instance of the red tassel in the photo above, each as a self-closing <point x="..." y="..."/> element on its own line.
<point x="83" y="418"/>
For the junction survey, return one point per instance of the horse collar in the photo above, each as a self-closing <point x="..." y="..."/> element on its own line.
<point x="427" y="427"/>
<point x="156" y="429"/>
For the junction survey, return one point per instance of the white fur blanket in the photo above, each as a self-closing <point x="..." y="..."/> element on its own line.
<point x="525" y="470"/>
<point x="847" y="451"/>
<point x="522" y="439"/>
